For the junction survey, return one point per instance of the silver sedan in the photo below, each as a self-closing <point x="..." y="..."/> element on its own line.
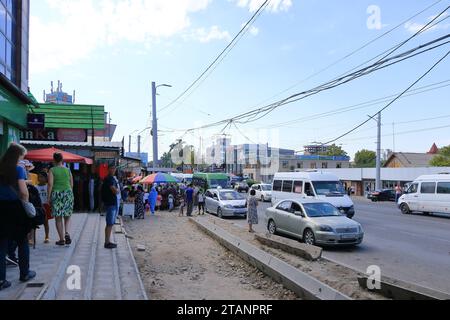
<point x="313" y="222"/>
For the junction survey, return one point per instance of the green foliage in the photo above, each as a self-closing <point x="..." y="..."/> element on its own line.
<point x="365" y="159"/>
<point x="166" y="160"/>
<point x="334" y="151"/>
<point x="442" y="159"/>
<point x="251" y="182"/>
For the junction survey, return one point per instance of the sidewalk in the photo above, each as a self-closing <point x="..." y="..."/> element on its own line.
<point x="105" y="274"/>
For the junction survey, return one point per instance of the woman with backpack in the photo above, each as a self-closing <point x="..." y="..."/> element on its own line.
<point x="61" y="199"/>
<point x="15" y="224"/>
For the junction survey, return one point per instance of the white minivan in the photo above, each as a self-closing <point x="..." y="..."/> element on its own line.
<point x="427" y="194"/>
<point x="312" y="184"/>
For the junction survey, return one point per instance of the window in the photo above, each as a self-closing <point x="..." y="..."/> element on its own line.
<point x="309" y="190"/>
<point x="428" y="187"/>
<point x="324" y="165"/>
<point x="296" y="207"/>
<point x="413" y="188"/>
<point x="339" y="165"/>
<point x="298" y="187"/>
<point x="313" y="165"/>
<point x="287" y="186"/>
<point x="443" y="188"/>
<point x="7" y="38"/>
<point x="285" y="206"/>
<point x="300" y="165"/>
<point x="277" y="185"/>
<point x="285" y="164"/>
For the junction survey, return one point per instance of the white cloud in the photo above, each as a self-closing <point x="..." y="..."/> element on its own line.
<point x="82" y="26"/>
<point x="203" y="35"/>
<point x="414" y="27"/>
<point x="274" y="5"/>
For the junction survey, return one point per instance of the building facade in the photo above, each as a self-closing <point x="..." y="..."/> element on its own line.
<point x="14" y="57"/>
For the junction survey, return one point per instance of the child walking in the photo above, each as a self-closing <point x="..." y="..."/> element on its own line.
<point x="43" y="194"/>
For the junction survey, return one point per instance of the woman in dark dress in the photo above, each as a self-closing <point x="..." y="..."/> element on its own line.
<point x="139" y="208"/>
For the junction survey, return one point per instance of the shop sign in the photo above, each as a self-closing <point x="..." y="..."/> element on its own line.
<point x="66" y="135"/>
<point x="35" y="121"/>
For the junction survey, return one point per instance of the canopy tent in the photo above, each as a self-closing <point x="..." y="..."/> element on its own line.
<point x="46" y="155"/>
<point x="159" y="178"/>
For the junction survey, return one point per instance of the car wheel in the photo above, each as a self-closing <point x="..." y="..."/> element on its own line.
<point x="308" y="237"/>
<point x="404" y="208"/>
<point x="426" y="213"/>
<point x="272" y="227"/>
<point x="219" y="213"/>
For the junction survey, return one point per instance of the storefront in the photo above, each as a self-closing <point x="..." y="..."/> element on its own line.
<point x="14" y="105"/>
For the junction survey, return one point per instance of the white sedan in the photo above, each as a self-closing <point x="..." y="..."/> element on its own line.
<point x="263" y="191"/>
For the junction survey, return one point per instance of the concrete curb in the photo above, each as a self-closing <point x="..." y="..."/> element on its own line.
<point x="400" y="290"/>
<point x="91" y="268"/>
<point x="305" y="286"/>
<point x="307" y="252"/>
<point x="50" y="290"/>
<point x="141" y="284"/>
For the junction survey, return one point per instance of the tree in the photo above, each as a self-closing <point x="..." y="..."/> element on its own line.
<point x="365" y="159"/>
<point x="334" y="151"/>
<point x="442" y="159"/>
<point x="166" y="160"/>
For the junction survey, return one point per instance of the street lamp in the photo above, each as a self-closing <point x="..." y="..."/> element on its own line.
<point x="155" y="122"/>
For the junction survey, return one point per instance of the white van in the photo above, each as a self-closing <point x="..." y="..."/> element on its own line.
<point x="427" y="194"/>
<point x="312" y="184"/>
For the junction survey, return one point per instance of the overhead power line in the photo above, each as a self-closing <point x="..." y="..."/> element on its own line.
<point x="224" y="51"/>
<point x="392" y="102"/>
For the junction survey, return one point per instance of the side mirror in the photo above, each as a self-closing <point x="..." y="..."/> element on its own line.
<point x="299" y="213"/>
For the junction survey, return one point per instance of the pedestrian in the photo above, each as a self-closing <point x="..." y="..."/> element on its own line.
<point x="139" y="209"/>
<point x="201" y="202"/>
<point x="110" y="189"/>
<point x="15" y="224"/>
<point x="171" y="201"/>
<point x="60" y="191"/>
<point x="159" y="202"/>
<point x="398" y="192"/>
<point x="189" y="198"/>
<point x="152" y="199"/>
<point x="42" y="188"/>
<point x="182" y="205"/>
<point x="252" y="211"/>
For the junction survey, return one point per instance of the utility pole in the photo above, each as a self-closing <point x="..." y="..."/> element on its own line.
<point x="154" y="127"/>
<point x="129" y="143"/>
<point x="139" y="146"/>
<point x="378" y="161"/>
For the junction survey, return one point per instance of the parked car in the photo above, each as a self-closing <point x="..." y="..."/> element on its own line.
<point x="312" y="184"/>
<point x="263" y="191"/>
<point x="314" y="222"/>
<point x="225" y="203"/>
<point x="383" y="195"/>
<point x="427" y="194"/>
<point x="242" y="187"/>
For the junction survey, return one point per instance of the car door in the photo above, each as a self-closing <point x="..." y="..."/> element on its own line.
<point x="282" y="212"/>
<point x="215" y="201"/>
<point x="296" y="222"/>
<point x="208" y="201"/>
<point x="427" y="197"/>
<point x="412" y="197"/>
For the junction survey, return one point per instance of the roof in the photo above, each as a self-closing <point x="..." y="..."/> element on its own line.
<point x="411" y="160"/>
<point x="72" y="116"/>
<point x="99" y="144"/>
<point x="434" y="149"/>
<point x="312" y="175"/>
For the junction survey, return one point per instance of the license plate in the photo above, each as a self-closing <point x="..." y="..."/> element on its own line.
<point x="348" y="236"/>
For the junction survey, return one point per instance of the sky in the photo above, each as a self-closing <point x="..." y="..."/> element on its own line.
<point x="110" y="51"/>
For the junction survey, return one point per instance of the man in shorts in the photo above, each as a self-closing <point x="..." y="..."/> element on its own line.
<point x="110" y="190"/>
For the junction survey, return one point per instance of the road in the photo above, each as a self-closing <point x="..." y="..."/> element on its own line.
<point x="412" y="248"/>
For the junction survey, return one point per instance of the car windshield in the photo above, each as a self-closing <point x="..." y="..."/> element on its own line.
<point x="266" y="187"/>
<point x="230" y="195"/>
<point x="214" y="183"/>
<point x="315" y="210"/>
<point x="325" y="188"/>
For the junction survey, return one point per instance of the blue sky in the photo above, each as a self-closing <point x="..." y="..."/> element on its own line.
<point x="110" y="51"/>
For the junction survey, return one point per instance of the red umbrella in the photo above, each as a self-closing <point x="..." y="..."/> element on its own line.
<point x="46" y="155"/>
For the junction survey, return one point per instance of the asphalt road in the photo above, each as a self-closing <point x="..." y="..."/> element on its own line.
<point x="412" y="248"/>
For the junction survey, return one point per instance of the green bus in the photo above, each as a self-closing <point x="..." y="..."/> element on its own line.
<point x="207" y="181"/>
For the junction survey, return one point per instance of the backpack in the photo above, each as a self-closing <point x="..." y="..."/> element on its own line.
<point x="35" y="200"/>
